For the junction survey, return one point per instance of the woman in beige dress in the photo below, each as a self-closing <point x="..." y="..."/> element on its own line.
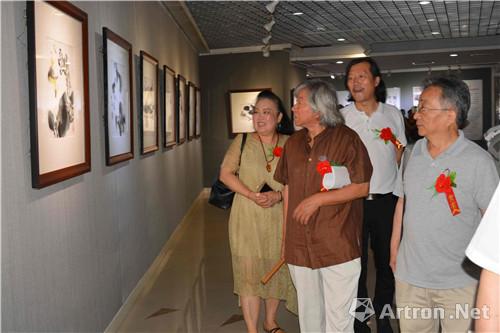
<point x="256" y="220"/>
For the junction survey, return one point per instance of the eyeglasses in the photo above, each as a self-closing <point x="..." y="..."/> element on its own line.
<point x="423" y="109"/>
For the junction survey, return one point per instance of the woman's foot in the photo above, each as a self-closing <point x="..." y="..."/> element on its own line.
<point x="272" y="327"/>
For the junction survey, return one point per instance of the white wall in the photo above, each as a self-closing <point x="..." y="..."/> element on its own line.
<point x="72" y="252"/>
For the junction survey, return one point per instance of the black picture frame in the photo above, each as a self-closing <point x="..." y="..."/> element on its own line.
<point x="169" y="108"/>
<point x="58" y="91"/>
<point x="149" y="103"/>
<point x="181" y="110"/>
<point x="191" y="101"/>
<point x="198" y="114"/>
<point x="118" y="98"/>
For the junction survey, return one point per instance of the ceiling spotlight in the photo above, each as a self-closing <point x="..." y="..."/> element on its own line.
<point x="340" y="39"/>
<point x="431" y="20"/>
<point x="272" y="6"/>
<point x="266" y="39"/>
<point x="424" y="3"/>
<point x="269" y="25"/>
<point x="436" y="33"/>
<point x="320" y="28"/>
<point x="339" y="62"/>
<point x="453" y="55"/>
<point x="332" y="76"/>
<point x="298" y="13"/>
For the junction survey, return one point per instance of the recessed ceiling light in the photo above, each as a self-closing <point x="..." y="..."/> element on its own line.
<point x="339" y="62"/>
<point x="436" y="33"/>
<point x="320" y="28"/>
<point x="424" y="2"/>
<point x="422" y="63"/>
<point x="340" y="39"/>
<point x="431" y="20"/>
<point x="297" y="13"/>
<point x="453" y="55"/>
<point x="332" y="77"/>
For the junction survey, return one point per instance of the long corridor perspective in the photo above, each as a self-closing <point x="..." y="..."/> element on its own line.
<point x="189" y="286"/>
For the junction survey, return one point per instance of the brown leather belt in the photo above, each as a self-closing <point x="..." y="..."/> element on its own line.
<point x="375" y="196"/>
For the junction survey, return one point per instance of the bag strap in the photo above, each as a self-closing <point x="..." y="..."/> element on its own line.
<point x="243" y="140"/>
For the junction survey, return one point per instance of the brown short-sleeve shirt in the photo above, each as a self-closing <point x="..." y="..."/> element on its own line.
<point x="333" y="234"/>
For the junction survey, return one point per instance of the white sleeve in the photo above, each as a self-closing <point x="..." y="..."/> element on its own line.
<point x="484" y="248"/>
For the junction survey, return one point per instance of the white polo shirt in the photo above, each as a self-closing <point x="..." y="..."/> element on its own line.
<point x="382" y="155"/>
<point x="484" y="248"/>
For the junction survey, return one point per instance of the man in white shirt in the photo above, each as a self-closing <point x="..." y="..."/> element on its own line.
<point x="381" y="128"/>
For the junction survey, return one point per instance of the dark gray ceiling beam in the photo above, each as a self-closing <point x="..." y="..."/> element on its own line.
<point x="182" y="16"/>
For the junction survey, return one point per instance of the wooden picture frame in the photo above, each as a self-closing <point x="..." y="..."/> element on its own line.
<point x="197" y="129"/>
<point x="169" y="108"/>
<point x="58" y="91"/>
<point x="191" y="100"/>
<point x="149" y="103"/>
<point x="181" y="110"/>
<point x="241" y="103"/>
<point x="118" y="98"/>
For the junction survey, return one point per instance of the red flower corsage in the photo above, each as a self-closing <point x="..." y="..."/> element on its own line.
<point x="445" y="183"/>
<point x="323" y="167"/>
<point x="387" y="135"/>
<point x="277" y="151"/>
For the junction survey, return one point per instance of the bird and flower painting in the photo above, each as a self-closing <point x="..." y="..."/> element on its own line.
<point x="59" y="114"/>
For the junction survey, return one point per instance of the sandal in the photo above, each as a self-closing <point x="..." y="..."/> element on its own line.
<point x="274" y="330"/>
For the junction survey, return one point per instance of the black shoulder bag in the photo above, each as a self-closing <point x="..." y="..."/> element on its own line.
<point x="220" y="195"/>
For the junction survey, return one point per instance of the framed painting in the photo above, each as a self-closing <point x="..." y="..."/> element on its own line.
<point x="181" y="110"/>
<point x="197" y="129"/>
<point x="241" y="104"/>
<point x="191" y="110"/>
<point x="169" y="118"/>
<point x="58" y="91"/>
<point x="149" y="103"/>
<point x="118" y="100"/>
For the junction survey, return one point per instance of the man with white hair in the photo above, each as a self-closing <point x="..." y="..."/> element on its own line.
<point x="323" y="223"/>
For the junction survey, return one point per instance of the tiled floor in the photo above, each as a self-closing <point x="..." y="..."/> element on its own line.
<point x="189" y="287"/>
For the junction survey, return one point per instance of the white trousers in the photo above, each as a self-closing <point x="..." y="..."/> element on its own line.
<point x="325" y="295"/>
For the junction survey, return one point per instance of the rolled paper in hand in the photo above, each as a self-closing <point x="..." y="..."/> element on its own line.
<point x="265" y="279"/>
<point x="338" y="178"/>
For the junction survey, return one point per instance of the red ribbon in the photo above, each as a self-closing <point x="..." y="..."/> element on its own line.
<point x="387" y="135"/>
<point x="444" y="185"/>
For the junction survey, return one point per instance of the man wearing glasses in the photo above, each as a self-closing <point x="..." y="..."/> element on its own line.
<point x="444" y="189"/>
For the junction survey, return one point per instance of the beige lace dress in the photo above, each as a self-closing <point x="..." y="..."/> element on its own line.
<point x="255" y="233"/>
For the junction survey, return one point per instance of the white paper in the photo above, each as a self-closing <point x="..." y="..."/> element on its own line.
<point x="338" y="178"/>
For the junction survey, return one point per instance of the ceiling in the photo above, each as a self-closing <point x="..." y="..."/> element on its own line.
<point x="400" y="35"/>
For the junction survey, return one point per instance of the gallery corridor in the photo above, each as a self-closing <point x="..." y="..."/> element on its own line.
<point x="189" y="286"/>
